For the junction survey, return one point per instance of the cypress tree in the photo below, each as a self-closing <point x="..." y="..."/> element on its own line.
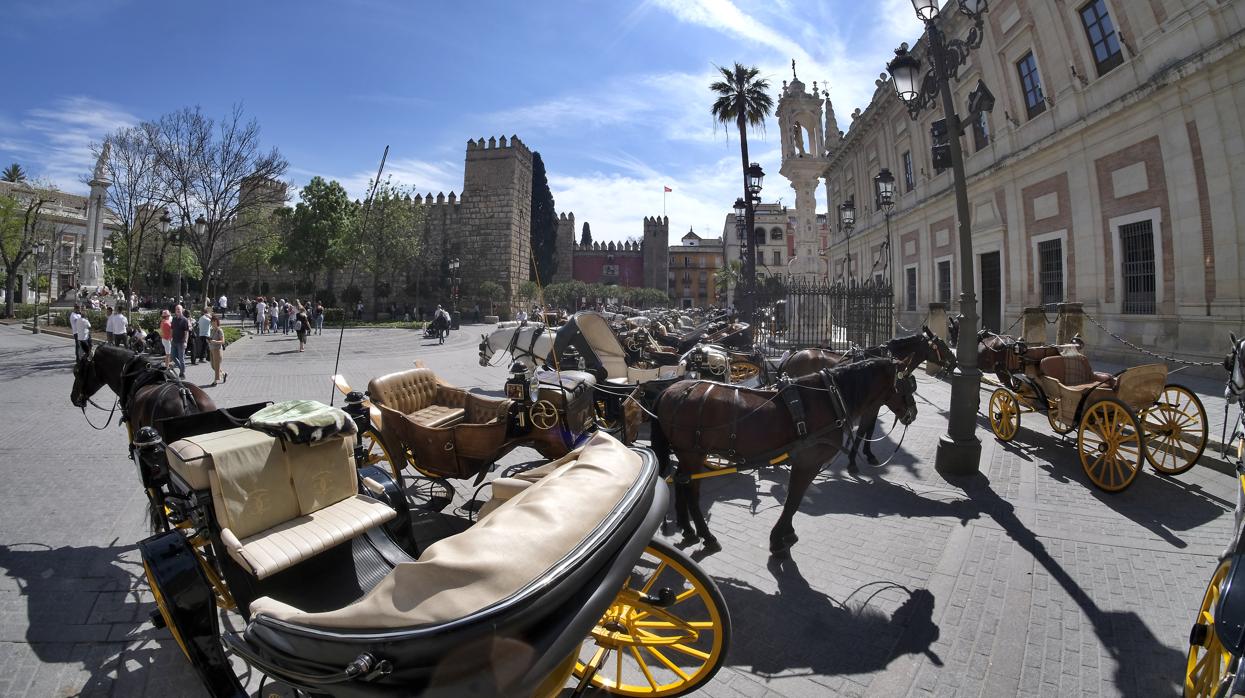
<point x="544" y="225"/>
<point x="586" y="238"/>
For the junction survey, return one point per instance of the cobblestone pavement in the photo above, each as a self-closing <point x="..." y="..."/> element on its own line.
<point x="1023" y="580"/>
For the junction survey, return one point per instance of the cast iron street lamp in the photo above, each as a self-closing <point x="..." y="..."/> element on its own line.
<point x="959" y="450"/>
<point x="163" y="227"/>
<point x="847" y="223"/>
<point x="753" y="177"/>
<point x="37" y="252"/>
<point x="741" y="210"/>
<point x="454" y="281"/>
<point x="884" y="193"/>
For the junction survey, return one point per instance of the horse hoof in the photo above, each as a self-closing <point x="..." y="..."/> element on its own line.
<point x="689" y="539"/>
<point x="669" y="528"/>
<point x="871" y="458"/>
<point x="852" y="469"/>
<point x="711" y="546"/>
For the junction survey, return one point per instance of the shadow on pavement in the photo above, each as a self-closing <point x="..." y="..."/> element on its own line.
<point x="1144" y="666"/>
<point x="85" y="605"/>
<point x="846" y="638"/>
<point x="876" y="497"/>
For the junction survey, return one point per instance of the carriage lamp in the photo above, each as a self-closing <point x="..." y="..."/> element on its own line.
<point x="884" y="189"/>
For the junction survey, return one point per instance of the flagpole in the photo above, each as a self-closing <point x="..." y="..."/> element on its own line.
<point x="663" y="202"/>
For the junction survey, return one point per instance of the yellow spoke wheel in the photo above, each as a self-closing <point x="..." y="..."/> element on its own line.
<point x="666" y="633"/>
<point x="1004" y="414"/>
<point x="1110" y="444"/>
<point x="1208" y="660"/>
<point x="744" y="370"/>
<point x="1176" y="430"/>
<point x="376" y="453"/>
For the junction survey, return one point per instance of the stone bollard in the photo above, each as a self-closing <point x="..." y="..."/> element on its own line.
<point x="1071" y="322"/>
<point x="937" y="323"/>
<point x="1034" y="326"/>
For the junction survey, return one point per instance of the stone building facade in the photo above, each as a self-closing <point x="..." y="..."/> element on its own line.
<point x="774" y="240"/>
<point x="692" y="266"/>
<point x="1107" y="174"/>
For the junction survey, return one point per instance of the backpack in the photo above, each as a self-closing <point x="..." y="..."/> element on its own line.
<point x="298" y="325"/>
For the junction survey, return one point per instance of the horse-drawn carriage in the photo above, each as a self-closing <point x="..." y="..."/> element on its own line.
<point x="1120" y="418"/>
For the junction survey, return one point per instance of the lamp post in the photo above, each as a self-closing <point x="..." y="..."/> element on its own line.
<point x="741" y="210"/>
<point x="200" y="225"/>
<point x="884" y="193"/>
<point x="753" y="177"/>
<point x="163" y="227"/>
<point x="959" y="450"/>
<point x="454" y="281"/>
<point x="847" y="223"/>
<point x="36" y="252"/>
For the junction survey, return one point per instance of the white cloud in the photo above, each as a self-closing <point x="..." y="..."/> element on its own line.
<point x="424" y="176"/>
<point x="55" y="144"/>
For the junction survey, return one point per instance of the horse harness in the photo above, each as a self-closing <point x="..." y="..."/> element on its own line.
<point x="512" y="347"/>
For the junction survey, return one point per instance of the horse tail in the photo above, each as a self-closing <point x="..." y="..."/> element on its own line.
<point x="661" y="447"/>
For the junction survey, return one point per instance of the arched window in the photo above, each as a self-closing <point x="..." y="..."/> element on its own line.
<point x="775" y="233"/>
<point x="760" y="236"/>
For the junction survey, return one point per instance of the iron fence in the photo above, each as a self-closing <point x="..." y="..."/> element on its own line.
<point x="794" y="314"/>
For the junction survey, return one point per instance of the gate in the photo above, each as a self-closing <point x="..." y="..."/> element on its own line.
<point x="796" y="313"/>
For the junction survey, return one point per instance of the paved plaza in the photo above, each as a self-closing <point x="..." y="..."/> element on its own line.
<point x="1024" y="580"/>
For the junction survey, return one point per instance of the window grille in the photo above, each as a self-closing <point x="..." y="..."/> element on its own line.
<point x="1031" y="84"/>
<point x="910" y="272"/>
<point x="1137" y="246"/>
<point x="909" y="179"/>
<point x="1050" y="271"/>
<point x="944" y="281"/>
<point x="1104" y="41"/>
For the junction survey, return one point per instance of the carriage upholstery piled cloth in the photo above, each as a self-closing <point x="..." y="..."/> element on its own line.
<point x="517" y="544"/>
<point x="277" y="503"/>
<point x="302" y="421"/>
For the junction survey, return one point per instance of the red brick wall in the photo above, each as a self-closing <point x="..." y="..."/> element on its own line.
<point x="1150" y="152"/>
<point x="588" y="268"/>
<point x="1061" y="221"/>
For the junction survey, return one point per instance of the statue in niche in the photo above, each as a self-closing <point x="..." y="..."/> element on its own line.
<point x="797" y="136"/>
<point x="102" y="162"/>
<point x="95" y="272"/>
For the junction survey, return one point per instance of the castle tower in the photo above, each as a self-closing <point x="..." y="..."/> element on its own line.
<point x="566" y="249"/>
<point x="655" y="249"/>
<point x="494" y="239"/>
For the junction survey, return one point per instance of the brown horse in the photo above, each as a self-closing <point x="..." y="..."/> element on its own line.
<point x="997" y="354"/>
<point x="144" y="393"/>
<point x="804" y="424"/>
<point x="910" y="352"/>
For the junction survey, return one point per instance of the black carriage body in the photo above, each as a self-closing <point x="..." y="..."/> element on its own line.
<point x="538" y="627"/>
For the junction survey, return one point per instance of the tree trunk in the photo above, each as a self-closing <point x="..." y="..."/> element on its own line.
<point x="750" y="260"/>
<point x="8" y="291"/>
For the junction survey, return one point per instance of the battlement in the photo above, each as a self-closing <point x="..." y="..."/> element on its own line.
<point x="626" y="247"/>
<point x="481" y="148"/>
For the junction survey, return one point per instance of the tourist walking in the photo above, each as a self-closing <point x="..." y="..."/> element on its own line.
<point x="261" y="316"/>
<point x="75" y="316"/>
<point x="166" y="337"/>
<point x="179" y="332"/>
<point x="216" y="346"/>
<point x="108" y="338"/>
<point x="205" y="328"/>
<point x="117" y="327"/>
<point x="319" y="311"/>
<point x="302" y="327"/>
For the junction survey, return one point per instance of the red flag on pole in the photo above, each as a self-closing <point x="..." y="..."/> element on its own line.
<point x="668" y="189"/>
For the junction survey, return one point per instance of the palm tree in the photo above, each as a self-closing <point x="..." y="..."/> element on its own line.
<point x="13" y="173"/>
<point x="742" y="98"/>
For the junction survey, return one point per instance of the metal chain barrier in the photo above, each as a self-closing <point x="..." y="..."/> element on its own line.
<point x="1147" y="352"/>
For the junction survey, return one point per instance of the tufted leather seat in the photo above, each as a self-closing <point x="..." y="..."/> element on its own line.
<point x="419" y="395"/>
<point x="277" y="503"/>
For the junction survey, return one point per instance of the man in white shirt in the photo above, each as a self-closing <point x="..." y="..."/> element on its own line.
<point x="222" y="303"/>
<point x="261" y="316"/>
<point x="82" y="338"/>
<point x="117" y="326"/>
<point x="75" y="318"/>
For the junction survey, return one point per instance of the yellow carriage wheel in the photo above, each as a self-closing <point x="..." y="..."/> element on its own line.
<point x="1176" y="430"/>
<point x="1110" y="444"/>
<point x="744" y="370"/>
<point x="376" y="453"/>
<point x="1208" y="660"/>
<point x="1004" y="414"/>
<point x="665" y="634"/>
<point x="1056" y="425"/>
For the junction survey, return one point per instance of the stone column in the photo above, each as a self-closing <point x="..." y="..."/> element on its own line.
<point x="1034" y="326"/>
<point x="1071" y="322"/>
<point x="937" y="323"/>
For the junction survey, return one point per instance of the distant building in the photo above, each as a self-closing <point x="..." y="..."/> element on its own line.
<point x="692" y="266"/>
<point x="630" y="263"/>
<point x="774" y="235"/>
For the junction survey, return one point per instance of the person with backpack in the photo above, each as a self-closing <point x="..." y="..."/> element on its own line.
<point x="302" y="326"/>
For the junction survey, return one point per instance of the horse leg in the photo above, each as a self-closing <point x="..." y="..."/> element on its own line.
<point x="702" y="528"/>
<point x="803" y="470"/>
<point x="682" y="509"/>
<point x="865" y="433"/>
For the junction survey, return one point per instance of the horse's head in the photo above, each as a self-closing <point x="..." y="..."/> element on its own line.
<point x="486" y="350"/>
<point x="86" y="380"/>
<point x="901" y="399"/>
<point x="939" y="351"/>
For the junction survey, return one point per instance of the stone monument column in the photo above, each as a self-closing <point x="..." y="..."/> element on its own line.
<point x="91" y="263"/>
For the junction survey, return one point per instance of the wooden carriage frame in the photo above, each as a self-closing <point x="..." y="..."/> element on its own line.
<point x="1135" y="415"/>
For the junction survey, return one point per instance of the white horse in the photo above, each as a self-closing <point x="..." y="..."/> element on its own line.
<point x="528" y="343"/>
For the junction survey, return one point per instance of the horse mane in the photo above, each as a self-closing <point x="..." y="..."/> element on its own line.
<point x="856" y="380"/>
<point x="900" y="344"/>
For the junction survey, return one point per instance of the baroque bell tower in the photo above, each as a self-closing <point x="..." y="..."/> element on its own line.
<point x="804" y="160"/>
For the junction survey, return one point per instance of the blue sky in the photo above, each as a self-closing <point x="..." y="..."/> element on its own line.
<point x="614" y="94"/>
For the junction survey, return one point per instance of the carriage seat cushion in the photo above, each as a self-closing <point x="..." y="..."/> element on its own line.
<point x="1070" y="370"/>
<point x="405" y="391"/>
<point x="261" y="485"/>
<point x="516" y="544"/>
<point x="438" y="416"/>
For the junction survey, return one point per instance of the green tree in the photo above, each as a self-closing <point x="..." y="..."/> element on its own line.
<point x="490" y="292"/>
<point x="728" y="277"/>
<point x="137" y="199"/>
<point x="529" y="292"/>
<point x="13" y="173"/>
<point x="315" y="234"/>
<point x="585" y="238"/>
<point x="544" y="225"/>
<point x="742" y="99"/>
<point x="386" y="240"/>
<point x="22" y="226"/>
